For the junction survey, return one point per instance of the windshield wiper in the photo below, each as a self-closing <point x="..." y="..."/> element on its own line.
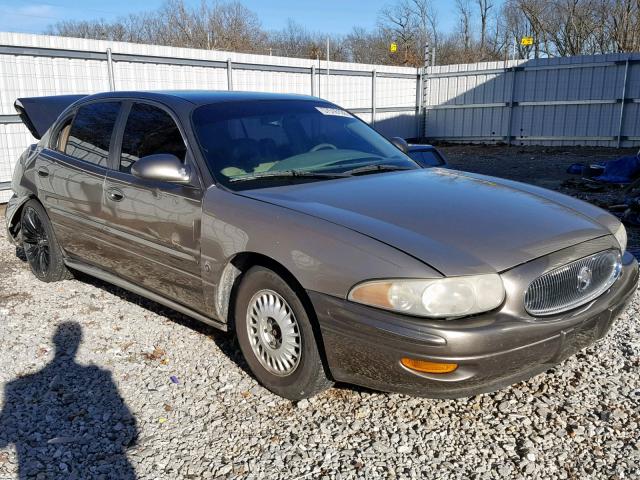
<point x="375" y="169"/>
<point x="288" y="174"/>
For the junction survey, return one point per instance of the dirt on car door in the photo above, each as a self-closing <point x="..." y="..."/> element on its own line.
<point x="70" y="175"/>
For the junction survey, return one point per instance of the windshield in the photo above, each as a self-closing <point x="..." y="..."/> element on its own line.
<point x="255" y="144"/>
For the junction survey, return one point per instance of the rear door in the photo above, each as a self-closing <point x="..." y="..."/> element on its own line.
<point x="71" y="173"/>
<point x="154" y="227"/>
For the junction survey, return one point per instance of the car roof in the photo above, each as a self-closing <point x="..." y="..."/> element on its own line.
<point x="200" y="97"/>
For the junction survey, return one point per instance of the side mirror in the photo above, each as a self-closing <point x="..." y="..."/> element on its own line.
<point x="162" y="167"/>
<point x="401" y="143"/>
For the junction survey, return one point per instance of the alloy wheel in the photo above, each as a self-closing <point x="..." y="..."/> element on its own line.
<point x="35" y="242"/>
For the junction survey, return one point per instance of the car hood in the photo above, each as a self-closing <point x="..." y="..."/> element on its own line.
<point x="458" y="223"/>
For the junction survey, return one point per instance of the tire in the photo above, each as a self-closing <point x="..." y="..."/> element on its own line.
<point x="40" y="246"/>
<point x="293" y="372"/>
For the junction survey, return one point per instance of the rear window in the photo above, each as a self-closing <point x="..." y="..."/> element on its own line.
<point x="91" y="132"/>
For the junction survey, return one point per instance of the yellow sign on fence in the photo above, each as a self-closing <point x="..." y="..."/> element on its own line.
<point x="393" y="48"/>
<point x="526" y="41"/>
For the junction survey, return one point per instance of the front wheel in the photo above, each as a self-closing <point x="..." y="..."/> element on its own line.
<point x="276" y="336"/>
<point x="40" y="246"/>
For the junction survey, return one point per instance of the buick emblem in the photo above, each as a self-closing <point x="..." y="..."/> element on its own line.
<point x="584" y="278"/>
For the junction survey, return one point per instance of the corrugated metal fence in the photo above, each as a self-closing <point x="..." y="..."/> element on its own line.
<point x="35" y="65"/>
<point x="587" y="100"/>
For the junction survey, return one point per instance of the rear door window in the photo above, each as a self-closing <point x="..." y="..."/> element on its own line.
<point x="90" y="133"/>
<point x="149" y="130"/>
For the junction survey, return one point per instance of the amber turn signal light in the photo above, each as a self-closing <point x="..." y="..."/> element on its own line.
<point x="428" y="367"/>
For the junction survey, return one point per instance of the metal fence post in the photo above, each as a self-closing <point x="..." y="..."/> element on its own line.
<point x="229" y="75"/>
<point x="425" y="93"/>
<point x="326" y="95"/>
<point x="112" y="81"/>
<point x="511" y="101"/>
<point x="623" y="100"/>
<point x="313" y="80"/>
<point x="373" y="98"/>
<point x="419" y="104"/>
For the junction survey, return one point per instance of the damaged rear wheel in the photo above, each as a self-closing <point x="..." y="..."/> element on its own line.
<point x="40" y="246"/>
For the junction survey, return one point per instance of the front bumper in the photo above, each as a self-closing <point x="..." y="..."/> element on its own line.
<point x="364" y="345"/>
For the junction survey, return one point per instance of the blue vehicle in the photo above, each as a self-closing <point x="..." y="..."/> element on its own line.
<point x="427" y="156"/>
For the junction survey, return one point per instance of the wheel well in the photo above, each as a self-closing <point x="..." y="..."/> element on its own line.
<point x="14" y="224"/>
<point x="246" y="260"/>
<point x="242" y="263"/>
<point x="234" y="273"/>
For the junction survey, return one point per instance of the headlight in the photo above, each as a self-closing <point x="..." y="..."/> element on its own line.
<point x="437" y="298"/>
<point x="621" y="236"/>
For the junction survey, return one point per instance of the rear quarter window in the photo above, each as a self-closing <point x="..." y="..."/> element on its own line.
<point x="62" y="136"/>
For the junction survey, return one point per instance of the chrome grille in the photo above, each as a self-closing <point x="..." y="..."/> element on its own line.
<point x="574" y="284"/>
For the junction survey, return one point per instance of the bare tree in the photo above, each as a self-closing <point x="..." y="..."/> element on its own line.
<point x="399" y="23"/>
<point x="516" y="25"/>
<point x="234" y="27"/>
<point x="292" y="41"/>
<point x="559" y="28"/>
<point x="364" y="46"/>
<point x="426" y="23"/>
<point x="484" y="6"/>
<point x="464" y="12"/>
<point x="624" y="24"/>
<point x="296" y="41"/>
<point x="579" y="27"/>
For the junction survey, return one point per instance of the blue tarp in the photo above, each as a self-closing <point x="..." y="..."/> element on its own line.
<point x="621" y="170"/>
<point x="576" y="168"/>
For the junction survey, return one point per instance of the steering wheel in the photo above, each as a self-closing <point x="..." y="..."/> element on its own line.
<point x="323" y="146"/>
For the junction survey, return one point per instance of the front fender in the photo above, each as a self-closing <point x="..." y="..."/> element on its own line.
<point x="323" y="257"/>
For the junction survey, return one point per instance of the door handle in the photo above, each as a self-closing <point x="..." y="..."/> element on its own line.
<point x="115" y="194"/>
<point x="43" y="172"/>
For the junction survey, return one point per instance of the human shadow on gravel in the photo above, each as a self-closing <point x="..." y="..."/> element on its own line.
<point x="68" y="420"/>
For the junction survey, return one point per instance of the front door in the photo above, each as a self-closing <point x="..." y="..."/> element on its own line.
<point x="154" y="227"/>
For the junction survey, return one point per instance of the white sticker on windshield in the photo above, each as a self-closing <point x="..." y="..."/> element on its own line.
<point x="336" y="112"/>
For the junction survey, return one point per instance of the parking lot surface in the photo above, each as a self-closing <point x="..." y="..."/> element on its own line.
<point x="100" y="383"/>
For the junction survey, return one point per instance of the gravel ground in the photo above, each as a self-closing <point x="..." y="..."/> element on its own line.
<point x="543" y="166"/>
<point x="150" y="393"/>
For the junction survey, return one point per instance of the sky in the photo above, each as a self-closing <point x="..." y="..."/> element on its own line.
<point x="332" y="16"/>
